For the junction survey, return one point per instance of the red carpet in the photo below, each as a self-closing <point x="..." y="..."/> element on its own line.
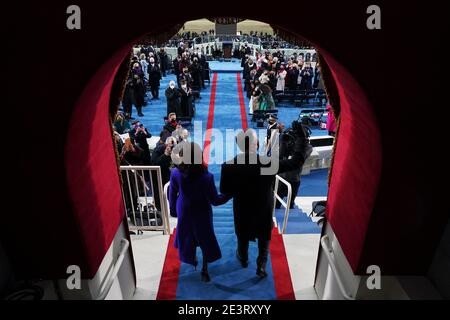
<point x="241" y="102"/>
<point x="280" y="268"/>
<point x="169" y="278"/>
<point x="209" y="125"/>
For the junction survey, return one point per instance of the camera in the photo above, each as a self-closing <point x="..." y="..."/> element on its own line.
<point x="290" y="136"/>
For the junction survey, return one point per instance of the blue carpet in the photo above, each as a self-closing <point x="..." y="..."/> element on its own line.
<point x="315" y="184"/>
<point x="298" y="222"/>
<point x="225" y="67"/>
<point x="228" y="279"/>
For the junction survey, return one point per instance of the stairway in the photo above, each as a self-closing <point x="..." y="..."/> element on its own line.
<point x="298" y="222"/>
<point x="223" y="219"/>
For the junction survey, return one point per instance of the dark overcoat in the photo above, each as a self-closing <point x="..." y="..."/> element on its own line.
<point x="252" y="192"/>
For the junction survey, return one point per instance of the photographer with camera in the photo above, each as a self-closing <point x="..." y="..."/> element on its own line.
<point x="244" y="179"/>
<point x="287" y="142"/>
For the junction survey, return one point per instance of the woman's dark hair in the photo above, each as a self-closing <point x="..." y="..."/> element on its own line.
<point x="194" y="167"/>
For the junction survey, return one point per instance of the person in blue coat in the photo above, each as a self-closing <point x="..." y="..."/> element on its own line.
<point x="192" y="193"/>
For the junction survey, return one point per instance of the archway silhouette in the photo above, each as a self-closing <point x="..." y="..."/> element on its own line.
<point x="90" y="160"/>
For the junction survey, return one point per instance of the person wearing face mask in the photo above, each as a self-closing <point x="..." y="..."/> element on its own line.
<point x="173" y="96"/>
<point x="186" y="77"/>
<point x="172" y="123"/>
<point x="187" y="108"/>
<point x="137" y="70"/>
<point x="154" y="76"/>
<point x="184" y="63"/>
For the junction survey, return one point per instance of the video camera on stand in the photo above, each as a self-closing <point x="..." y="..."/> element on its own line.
<point x="290" y="136"/>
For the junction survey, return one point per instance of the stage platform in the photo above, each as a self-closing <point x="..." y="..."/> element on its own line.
<point x="231" y="66"/>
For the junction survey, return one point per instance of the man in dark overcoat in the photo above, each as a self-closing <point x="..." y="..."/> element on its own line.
<point x="249" y="179"/>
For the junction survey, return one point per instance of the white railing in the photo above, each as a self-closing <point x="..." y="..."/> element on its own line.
<point x="111" y="277"/>
<point x="329" y="254"/>
<point x="166" y="194"/>
<point x="139" y="193"/>
<point x="284" y="204"/>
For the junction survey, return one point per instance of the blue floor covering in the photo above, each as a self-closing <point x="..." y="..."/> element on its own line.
<point x="229" y="279"/>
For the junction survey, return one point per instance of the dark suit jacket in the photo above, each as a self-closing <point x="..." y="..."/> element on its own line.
<point x="253" y="198"/>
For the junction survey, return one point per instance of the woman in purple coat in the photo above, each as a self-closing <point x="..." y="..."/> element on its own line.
<point x="192" y="192"/>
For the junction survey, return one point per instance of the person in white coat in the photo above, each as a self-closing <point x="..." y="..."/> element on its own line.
<point x="281" y="79"/>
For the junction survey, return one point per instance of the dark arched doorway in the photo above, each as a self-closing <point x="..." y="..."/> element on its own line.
<point x="90" y="159"/>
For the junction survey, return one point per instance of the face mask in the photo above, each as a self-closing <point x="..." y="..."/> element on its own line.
<point x="172" y="86"/>
<point x="173" y="120"/>
<point x="184" y="86"/>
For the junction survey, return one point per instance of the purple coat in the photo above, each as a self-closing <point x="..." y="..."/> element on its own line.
<point x="191" y="200"/>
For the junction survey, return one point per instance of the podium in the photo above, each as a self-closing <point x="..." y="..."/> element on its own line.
<point x="227" y="49"/>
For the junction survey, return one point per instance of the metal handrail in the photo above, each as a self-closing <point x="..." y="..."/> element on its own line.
<point x="166" y="202"/>
<point x="284" y="204"/>
<point x="328" y="252"/>
<point x="112" y="276"/>
<point x="164" y="209"/>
